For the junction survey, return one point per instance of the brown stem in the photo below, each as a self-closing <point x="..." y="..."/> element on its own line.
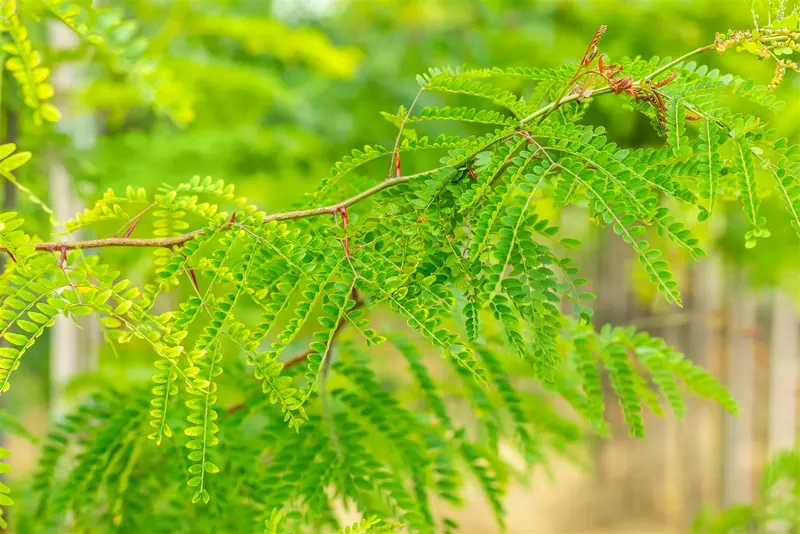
<point x="297" y="359"/>
<point x="604" y="90"/>
<point x="394" y="164"/>
<point x="177" y="241"/>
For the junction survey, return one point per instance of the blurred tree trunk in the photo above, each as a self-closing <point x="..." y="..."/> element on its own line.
<point x="613" y="467"/>
<point x="71" y="351"/>
<point x="738" y="446"/>
<point x="704" y="418"/>
<point x="783" y="375"/>
<point x="674" y="468"/>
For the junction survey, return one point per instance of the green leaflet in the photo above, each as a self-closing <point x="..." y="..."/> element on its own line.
<point x="709" y="165"/>
<point x="357" y="158"/>
<point x="676" y="129"/>
<point x="632" y="183"/>
<point x="471" y="319"/>
<point x="491" y="477"/>
<point x="310" y="294"/>
<point x="623" y="380"/>
<point x="746" y="181"/>
<point x="512" y="222"/>
<point x="203" y="431"/>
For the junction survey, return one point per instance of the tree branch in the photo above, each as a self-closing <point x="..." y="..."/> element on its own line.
<point x="177" y="241"/>
<point x="604" y="90"/>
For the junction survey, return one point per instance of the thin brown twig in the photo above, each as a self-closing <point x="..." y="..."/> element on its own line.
<point x="394" y="164"/>
<point x="608" y="89"/>
<point x="177" y="241"/>
<point x="297" y="359"/>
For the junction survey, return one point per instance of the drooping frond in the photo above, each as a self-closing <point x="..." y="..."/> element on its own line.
<point x="5" y="491"/>
<point x="746" y="179"/>
<point x="709" y="163"/>
<point x="446" y="80"/>
<point x="775" y="505"/>
<point x="370" y="524"/>
<point x="119" y="45"/>
<point x="676" y="129"/>
<point x="462" y="114"/>
<point x="25" y="64"/>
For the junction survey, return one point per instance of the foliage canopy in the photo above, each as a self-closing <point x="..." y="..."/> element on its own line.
<point x="456" y="258"/>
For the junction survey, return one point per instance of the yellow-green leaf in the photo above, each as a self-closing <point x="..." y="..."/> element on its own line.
<point x="50" y="112"/>
<point x="13" y="162"/>
<point x="16" y="339"/>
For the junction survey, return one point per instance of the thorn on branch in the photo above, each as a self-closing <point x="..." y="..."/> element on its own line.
<point x="343" y="213"/>
<point x="397" y="172"/>
<point x="63" y="259"/>
<point x="233" y="218"/>
<point x="132" y="227"/>
<point x="192" y="275"/>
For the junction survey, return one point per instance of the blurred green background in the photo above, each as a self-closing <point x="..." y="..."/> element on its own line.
<point x="267" y="95"/>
